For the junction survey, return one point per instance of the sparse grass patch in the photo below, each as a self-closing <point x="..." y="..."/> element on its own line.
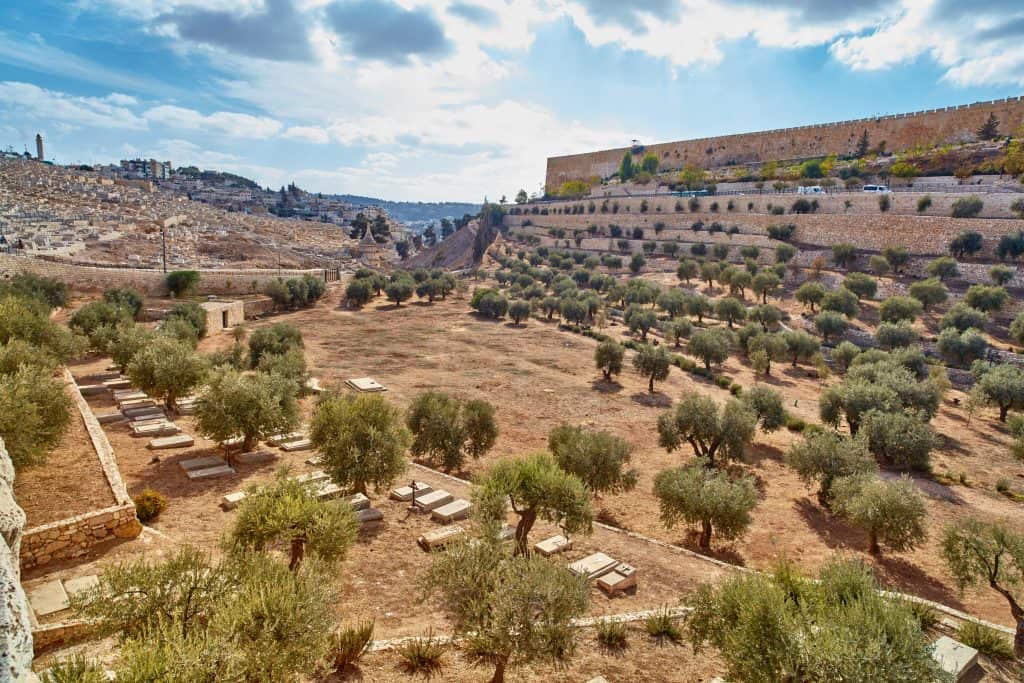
<point x="926" y="616"/>
<point x="985" y="640"/>
<point x="662" y="627"/>
<point x="421" y="655"/>
<point x="612" y="635"/>
<point x="349" y="644"/>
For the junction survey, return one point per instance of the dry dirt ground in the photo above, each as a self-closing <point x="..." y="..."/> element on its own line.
<point x="538" y="376"/>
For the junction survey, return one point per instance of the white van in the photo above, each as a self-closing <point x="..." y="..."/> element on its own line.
<point x="877" y="189"/>
<point x="811" y="189"/>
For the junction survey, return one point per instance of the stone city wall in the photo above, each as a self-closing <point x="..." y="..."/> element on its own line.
<point x="897" y="131"/>
<point x="921" y="235"/>
<point x="211" y="281"/>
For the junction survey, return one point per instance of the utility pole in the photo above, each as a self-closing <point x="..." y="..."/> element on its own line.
<point x="163" y="245"/>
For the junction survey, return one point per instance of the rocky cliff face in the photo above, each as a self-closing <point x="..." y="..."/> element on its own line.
<point x="15" y="627"/>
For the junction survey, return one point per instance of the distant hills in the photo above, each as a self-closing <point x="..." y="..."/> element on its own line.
<point x="408" y="212"/>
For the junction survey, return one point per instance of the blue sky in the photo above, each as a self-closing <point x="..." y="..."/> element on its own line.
<point x="458" y="99"/>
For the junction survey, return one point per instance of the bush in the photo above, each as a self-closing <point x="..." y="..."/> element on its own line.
<point x="277" y="339"/>
<point x="359" y="292"/>
<point x="781" y="232"/>
<point x="52" y="293"/>
<point x="181" y="282"/>
<point x="348" y="645"/>
<point x="612" y="635"/>
<point x="884" y="203"/>
<point x="128" y="299"/>
<point x="424" y="656"/>
<point x="985" y="640"/>
<point x="74" y="670"/>
<point x="662" y="626"/>
<point x="149" y="504"/>
<point x="967" y="207"/>
<point x="962" y="317"/>
<point x="34" y="412"/>
<point x="191" y="313"/>
<point x="924" y="203"/>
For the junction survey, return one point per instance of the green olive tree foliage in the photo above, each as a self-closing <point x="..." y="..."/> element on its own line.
<point x="1000" y="385"/>
<point x="700" y="495"/>
<point x="276" y="339"/>
<point x="511" y="609"/>
<point x="902" y="441"/>
<point x="788" y="628"/>
<point x="810" y="294"/>
<point x="446" y="430"/>
<point x="252" y="406"/>
<point x="900" y="308"/>
<point x="825" y="456"/>
<point x="97" y="320"/>
<point x="652" y="362"/>
<point x="891" y="512"/>
<point x="608" y="357"/>
<point x="710" y="432"/>
<point x="287" y="511"/>
<point x="28" y="320"/>
<point x="167" y="369"/>
<point x="766" y="405"/>
<point x="992" y="554"/>
<point x="34" y="413"/>
<point x="711" y="345"/>
<point x="537" y="488"/>
<point x="600" y="459"/>
<point x="361" y="440"/>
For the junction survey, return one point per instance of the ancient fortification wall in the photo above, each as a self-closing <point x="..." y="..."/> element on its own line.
<point x="897" y="131"/>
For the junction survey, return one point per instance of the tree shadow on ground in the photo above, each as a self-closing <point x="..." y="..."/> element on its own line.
<point x="606" y="516"/>
<point x="757" y="453"/>
<point x="830" y="529"/>
<point x="899" y="574"/>
<point x="720" y="550"/>
<point x="656" y="400"/>
<point x="605" y="386"/>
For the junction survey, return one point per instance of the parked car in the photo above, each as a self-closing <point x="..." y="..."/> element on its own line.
<point x="810" y="189"/>
<point x="877" y="189"/>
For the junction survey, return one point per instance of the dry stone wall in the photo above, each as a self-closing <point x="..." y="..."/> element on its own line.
<point x="897" y="131"/>
<point x="217" y="281"/>
<point x="15" y="623"/>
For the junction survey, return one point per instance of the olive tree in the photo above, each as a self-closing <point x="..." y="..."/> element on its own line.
<point x="992" y="554"/>
<point x="962" y="317"/>
<point x="702" y="496"/>
<point x="673" y="302"/>
<point x="252" y="406"/>
<point x="599" y="458"/>
<point x="711" y="345"/>
<point x="784" y="627"/>
<point x="825" y="456"/>
<point x="287" y="511"/>
<point x="861" y="284"/>
<point x="900" y="440"/>
<point x="810" y="294"/>
<point x="764" y="284"/>
<point x="167" y="369"/>
<point x="843" y="301"/>
<point x="899" y="308"/>
<point x="1001" y="385"/>
<point x="276" y="339"/>
<point x="640" y="319"/>
<point x="711" y="433"/>
<point x="608" y="357"/>
<point x="519" y="311"/>
<point x="961" y="348"/>
<point x="895" y="335"/>
<point x="677" y="330"/>
<point x="34" y="414"/>
<point x="511" y="609"/>
<point x="766" y="405"/>
<point x="891" y="512"/>
<point x="653" y="363"/>
<point x="446" y="430"/>
<point x="361" y="440"/>
<point x="730" y="310"/>
<point x="943" y="268"/>
<point x="800" y="346"/>
<point x="830" y="324"/>
<point x="929" y="292"/>
<point x="985" y="298"/>
<point x="536" y="488"/>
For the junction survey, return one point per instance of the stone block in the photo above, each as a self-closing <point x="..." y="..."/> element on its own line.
<point x="620" y="579"/>
<point x="278" y="439"/>
<point x="92" y="389"/>
<point x="433" y="500"/>
<point x="256" y="457"/>
<point x="122" y="383"/>
<point x="210" y="472"/>
<point x="404" y="493"/>
<point x="553" y="546"/>
<point x="954" y="657"/>
<point x="369" y="516"/>
<point x="161" y="428"/>
<point x="358" y="501"/>
<point x="593" y="566"/>
<point x="299" y="445"/>
<point x="455" y="510"/>
<point x="231" y="500"/>
<point x="433" y="540"/>
<point x="201" y="463"/>
<point x="110" y="418"/>
<point x="176" y="441"/>
<point x="81" y="584"/>
<point x="48" y="598"/>
<point x="365" y="384"/>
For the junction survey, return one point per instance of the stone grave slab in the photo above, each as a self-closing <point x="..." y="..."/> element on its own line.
<point x="300" y="445"/>
<point x="328" y="490"/>
<point x="309" y="477"/>
<point x="210" y="472"/>
<point x="315" y="460"/>
<point x="593" y="566"/>
<point x="107" y="374"/>
<point x="201" y="463"/>
<point x="404" y="493"/>
<point x="162" y="428"/>
<point x="176" y="441"/>
<point x="256" y="457"/>
<point x="48" y="598"/>
<point x="620" y="579"/>
<point x="358" y="501"/>
<point x="433" y="500"/>
<point x="598" y="679"/>
<point x="187" y="409"/>
<point x="81" y="584"/>
<point x="433" y="540"/>
<point x="278" y="439"/>
<point x="369" y="516"/>
<point x="365" y="384"/>
<point x="954" y="657"/>
<point x="113" y="368"/>
<point x="457" y="509"/>
<point x="110" y="418"/>
<point x="554" y="545"/>
<point x="91" y="389"/>
<point x="142" y="412"/>
<point x="133" y="403"/>
<point x="123" y="383"/>
<point x="313" y="384"/>
<point x="129" y="394"/>
<point x="231" y="500"/>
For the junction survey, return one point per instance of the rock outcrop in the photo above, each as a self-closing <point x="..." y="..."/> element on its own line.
<point x="15" y="627"/>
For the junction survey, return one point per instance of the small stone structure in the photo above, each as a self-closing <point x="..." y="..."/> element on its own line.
<point x="223" y="315"/>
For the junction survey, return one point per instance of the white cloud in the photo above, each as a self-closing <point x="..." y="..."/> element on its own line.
<point x="310" y="134"/>
<point x="228" y="123"/>
<point x="44" y="105"/>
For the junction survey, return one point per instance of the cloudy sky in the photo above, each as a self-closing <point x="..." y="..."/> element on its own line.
<point x="458" y="99"/>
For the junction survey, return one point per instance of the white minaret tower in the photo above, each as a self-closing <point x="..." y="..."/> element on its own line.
<point x="39" y="147"/>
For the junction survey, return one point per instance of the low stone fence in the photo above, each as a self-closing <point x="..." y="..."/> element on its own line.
<point x="73" y="537"/>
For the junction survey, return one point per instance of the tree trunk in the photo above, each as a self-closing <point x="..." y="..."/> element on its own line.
<point x="298" y="552"/>
<point x="705" y="535"/>
<point x="499" y="671"/>
<point x="1018" y="640"/>
<point x="248" y="443"/>
<point x="1002" y="413"/>
<point x="873" y="540"/>
<point x="526" y="521"/>
<point x="360" y="487"/>
<point x="607" y="375"/>
<point x="650" y="385"/>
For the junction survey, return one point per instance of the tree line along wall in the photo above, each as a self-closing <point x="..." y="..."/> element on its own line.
<point x="897" y="131"/>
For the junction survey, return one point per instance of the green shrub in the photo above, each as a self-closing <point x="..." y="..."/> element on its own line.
<point x="126" y="298"/>
<point x="924" y="203"/>
<point x="181" y="282"/>
<point x="421" y="655"/>
<point x="74" y="670"/>
<point x="722" y="382"/>
<point x="662" y="626"/>
<point x="612" y="635"/>
<point x="349" y="644"/>
<point x="149" y="504"/>
<point x="925" y="615"/>
<point x="795" y="424"/>
<point x="985" y="640"/>
<point x="967" y="207"/>
<point x="51" y="292"/>
<point x="735" y="389"/>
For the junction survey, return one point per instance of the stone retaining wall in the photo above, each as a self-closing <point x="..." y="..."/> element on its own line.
<point x="73" y="537"/>
<point x="211" y="281"/>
